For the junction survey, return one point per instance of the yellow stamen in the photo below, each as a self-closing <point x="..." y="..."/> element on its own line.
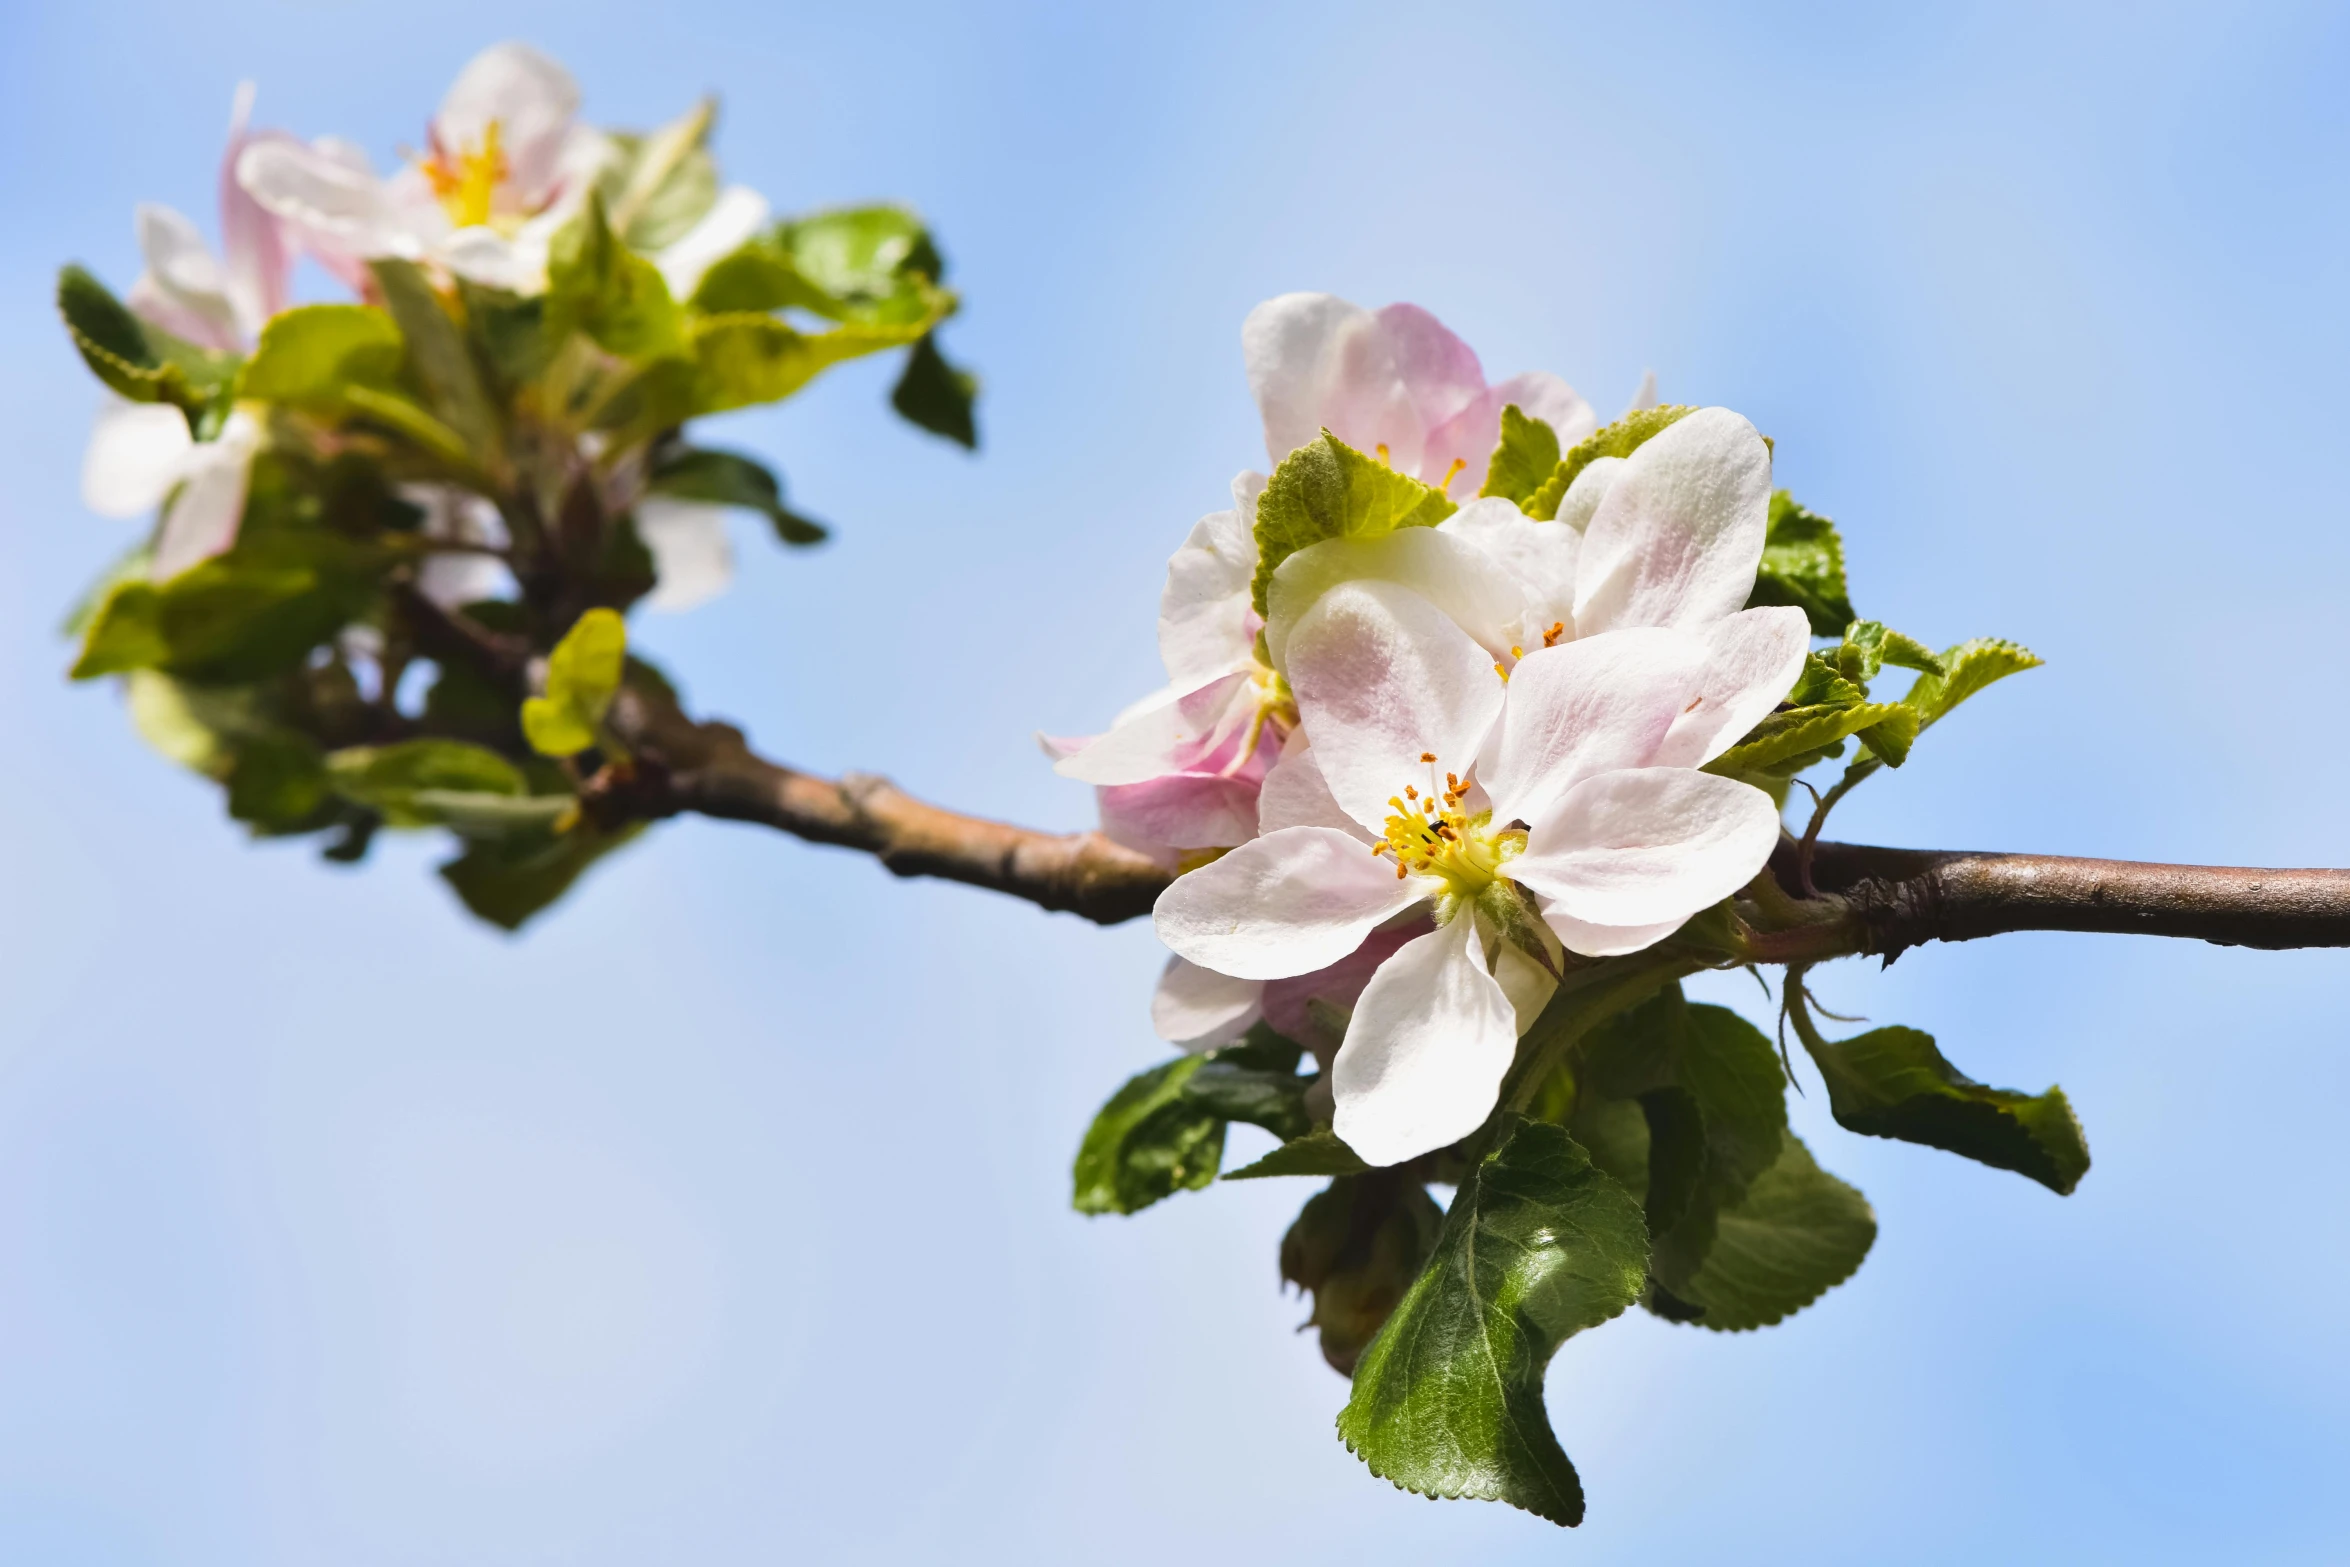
<point x="1381" y="449"/>
<point x="466" y="181"/>
<point x="1550" y="638"/>
<point x="1453" y="472"/>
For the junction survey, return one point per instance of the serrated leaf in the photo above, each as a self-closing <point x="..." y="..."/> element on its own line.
<point x="1894" y="1082"/>
<point x="730" y="479"/>
<point x="1620" y="439"/>
<point x="937" y="396"/>
<point x="1891" y="737"/>
<point x="1823" y="684"/>
<point x="1803" y="565"/>
<point x="1539" y="1245"/>
<point x="415" y="782"/>
<point x="874" y="266"/>
<point x="1356" y="1248"/>
<point x="1966" y="669"/>
<point x="583" y="675"/>
<point x="1799" y="732"/>
<point x="599" y="287"/>
<point x="137" y="359"/>
<point x="316" y="356"/>
<point x="1328" y="490"/>
<point x="1796" y="1233"/>
<point x="1147" y="1143"/>
<point x="1527" y="455"/>
<point x="1318" y="1152"/>
<point x="253" y="612"/>
<point x="1869" y="645"/>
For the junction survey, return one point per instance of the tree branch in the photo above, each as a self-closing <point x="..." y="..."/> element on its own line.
<point x="1873" y="901"/>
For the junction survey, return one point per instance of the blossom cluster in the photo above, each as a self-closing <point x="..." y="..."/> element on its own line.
<point x="1415" y="770"/>
<point x="507" y="163"/>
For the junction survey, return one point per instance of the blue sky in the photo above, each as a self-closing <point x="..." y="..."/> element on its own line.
<point x="722" y="1217"/>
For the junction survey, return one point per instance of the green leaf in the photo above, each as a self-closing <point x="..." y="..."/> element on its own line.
<point x="315" y="356"/>
<point x="599" y="287"/>
<point x="507" y="880"/>
<point x="936" y="395"/>
<point x="1148" y="1142"/>
<point x="872" y="266"/>
<point x="438" y="354"/>
<point x="742" y="360"/>
<point x="1803" y="565"/>
<point x="1796" y="1233"/>
<point x="253" y="612"/>
<point x="141" y="362"/>
<point x="277" y="784"/>
<point x="1620" y="439"/>
<point x="1823" y="684"/>
<point x="406" y="784"/>
<point x="1966" y="669"/>
<point x="1328" y="490"/>
<point x="1798" y="733"/>
<point x="1528" y="452"/>
<point x="661" y="185"/>
<point x="583" y="675"/>
<point x="1447" y="1400"/>
<point x="1891" y="737"/>
<point x="728" y="479"/>
<point x="1894" y="1082"/>
<point x="1229" y="1087"/>
<point x="1356" y="1248"/>
<point x="1869" y="645"/>
<point x="1318" y="1152"/>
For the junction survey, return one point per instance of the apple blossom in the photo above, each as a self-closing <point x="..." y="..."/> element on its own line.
<point x="506" y="164"/>
<point x="1560" y="792"/>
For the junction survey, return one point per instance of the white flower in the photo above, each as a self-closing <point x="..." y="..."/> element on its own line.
<point x="506" y="165"/>
<point x="693" y="561"/>
<point x="1432" y="785"/>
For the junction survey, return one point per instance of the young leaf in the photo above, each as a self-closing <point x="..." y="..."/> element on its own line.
<point x="728" y="479"/>
<point x="1803" y="565"/>
<point x="1328" y="490"/>
<point x="140" y="361"/>
<point x="743" y="359"/>
<point x="583" y="675"/>
<point x="1823" y="684"/>
<point x="1620" y="439"/>
<point x="408" y="784"/>
<point x="1869" y="645"/>
<point x="1798" y="733"/>
<point x="1148" y="1142"/>
<point x="1356" y="1248"/>
<point x="315" y="356"/>
<point x="1891" y="737"/>
<point x="661" y="185"/>
<point x="1528" y="452"/>
<point x="1966" y="669"/>
<point x="937" y="396"/>
<point x="1894" y="1082"/>
<point x="1447" y="1400"/>
<point x="253" y="612"/>
<point x="437" y="353"/>
<point x="597" y="286"/>
<point x="1793" y="1235"/>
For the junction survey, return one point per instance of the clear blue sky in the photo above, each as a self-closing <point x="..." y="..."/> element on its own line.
<point x="722" y="1218"/>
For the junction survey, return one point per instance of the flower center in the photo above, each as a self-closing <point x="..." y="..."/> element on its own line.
<point x="1431" y="835"/>
<point x="466" y="181"/>
<point x="1276" y="710"/>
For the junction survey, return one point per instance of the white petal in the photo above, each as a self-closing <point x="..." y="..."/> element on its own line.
<point x="1316" y="362"/>
<point x="1288" y="903"/>
<point x="532" y="99"/>
<point x="1475" y="590"/>
<point x="1643" y="396"/>
<point x="1164" y="736"/>
<point x="1438" y="370"/>
<point x="1179" y="811"/>
<point x="1426" y="1051"/>
<point x="1678" y="538"/>
<point x="136" y="454"/>
<point x="1295" y="794"/>
<point x="1606" y="941"/>
<point x="1527" y="983"/>
<point x="1540" y="555"/>
<point x="1383" y="678"/>
<point x="204" y="515"/>
<point x="1581" y="502"/>
<point x="737" y="214"/>
<point x="1647" y="845"/>
<point x="692" y="559"/>
<point x="1200" y="1009"/>
<point x="1752" y="660"/>
<point x="1205" y="628"/>
<point x="452" y="579"/>
<point x="183" y="289"/>
<point x="1584" y="708"/>
<point x="484" y="255"/>
<point x="339" y="210"/>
